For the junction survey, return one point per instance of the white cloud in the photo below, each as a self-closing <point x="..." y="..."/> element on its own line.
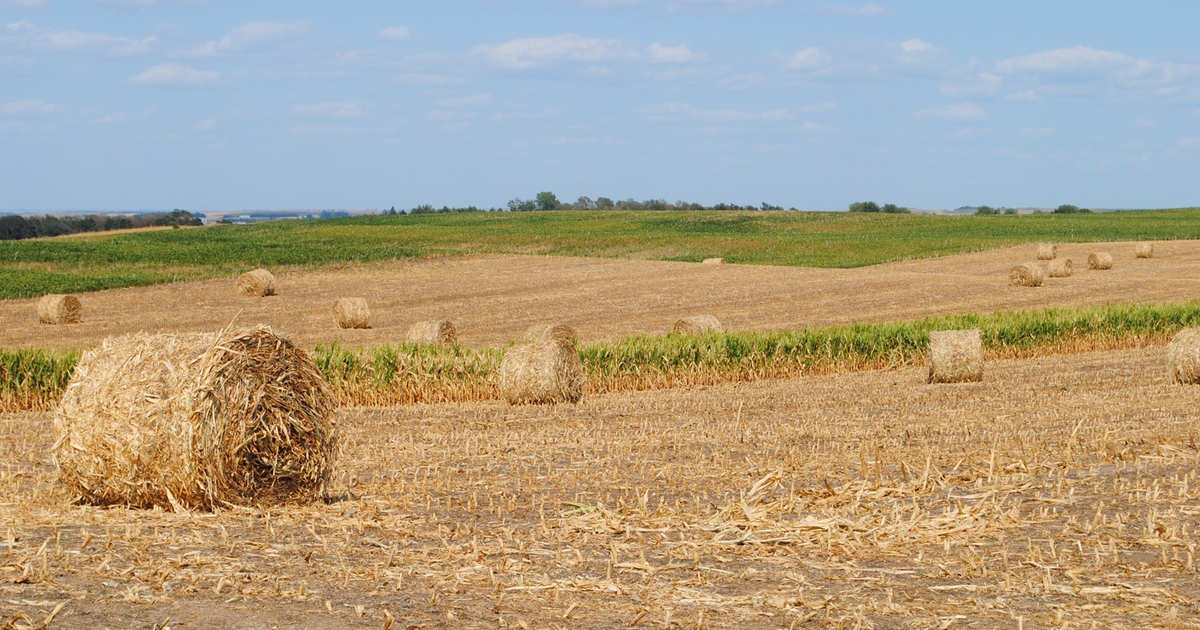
<point x="395" y="33"/>
<point x="1025" y="95"/>
<point x="342" y="109"/>
<point x="1079" y="58"/>
<point x="206" y="124"/>
<point x="915" y="46"/>
<point x="812" y="127"/>
<point x="661" y="53"/>
<point x="982" y="83"/>
<point x="777" y="114"/>
<point x="251" y="35"/>
<point x="742" y="81"/>
<point x="29" y="106"/>
<point x="466" y="101"/>
<point x="684" y="111"/>
<point x="175" y="74"/>
<point x="958" y="111"/>
<point x="807" y="59"/>
<point x="526" y="53"/>
<point x="24" y="34"/>
<point x="866" y="10"/>
<point x="821" y="107"/>
<point x="1189" y="142"/>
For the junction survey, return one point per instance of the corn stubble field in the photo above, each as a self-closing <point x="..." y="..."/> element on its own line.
<point x="1060" y="492"/>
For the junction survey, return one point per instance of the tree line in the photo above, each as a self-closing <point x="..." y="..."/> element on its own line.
<point x="14" y="227"/>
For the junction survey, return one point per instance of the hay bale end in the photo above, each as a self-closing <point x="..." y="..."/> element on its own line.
<point x="1060" y="268"/>
<point x="1144" y="250"/>
<point x="1027" y="275"/>
<point x="1183" y="356"/>
<point x="547" y="332"/>
<point x="698" y="325"/>
<point x="1100" y="260"/>
<point x="542" y="372"/>
<point x="256" y="283"/>
<point x="955" y="356"/>
<point x="352" y="313"/>
<point x="1047" y="251"/>
<point x="59" y="309"/>
<point x="436" y="332"/>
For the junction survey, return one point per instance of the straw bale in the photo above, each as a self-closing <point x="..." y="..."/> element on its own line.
<point x="546" y="332"/>
<point x="1183" y="356"/>
<point x="1060" y="268"/>
<point x="437" y="332"/>
<point x="352" y="313"/>
<point x="714" y="261"/>
<point x="196" y="420"/>
<point x="1047" y="251"/>
<point x="698" y="325"/>
<point x="59" y="309"/>
<point x="1100" y="260"/>
<point x="542" y="372"/>
<point x="257" y="283"/>
<point x="1027" y="275"/>
<point x="1144" y="250"/>
<point x="955" y="356"/>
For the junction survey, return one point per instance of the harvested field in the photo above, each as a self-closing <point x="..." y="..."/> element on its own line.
<point x="1059" y="492"/>
<point x="495" y="299"/>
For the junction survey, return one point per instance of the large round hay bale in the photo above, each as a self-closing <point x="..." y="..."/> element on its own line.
<point x="542" y="372"/>
<point x="1060" y="268"/>
<point x="438" y="332"/>
<point x="1027" y="275"/>
<point x="1047" y="251"/>
<point x="1100" y="260"/>
<point x="257" y="283"/>
<point x="1183" y="356"/>
<point x="698" y="325"/>
<point x="955" y="356"/>
<point x="196" y="421"/>
<point x="546" y="332"/>
<point x="714" y="261"/>
<point x="1144" y="250"/>
<point x="352" y="313"/>
<point x="59" y="309"/>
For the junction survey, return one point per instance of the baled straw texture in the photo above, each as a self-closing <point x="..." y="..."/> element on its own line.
<point x="196" y="421"/>
<point x="1060" y="268"/>
<point x="548" y="332"/>
<point x="542" y="372"/>
<point x="698" y="325"/>
<point x="955" y="356"/>
<point x="59" y="309"/>
<point x="1100" y="260"/>
<point x="439" y="332"/>
<point x="352" y="313"/>
<point x="1047" y="251"/>
<point x="1144" y="250"/>
<point x="257" y="283"/>
<point x="1183" y="356"/>
<point x="714" y="261"/>
<point x="1027" y="275"/>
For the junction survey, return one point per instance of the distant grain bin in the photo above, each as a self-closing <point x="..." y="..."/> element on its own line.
<point x="196" y="421"/>
<point x="1060" y="268"/>
<point x="714" y="261"/>
<point x="257" y="283"/>
<point x="1100" y="260"/>
<point x="542" y="372"/>
<point x="698" y="325"/>
<point x="437" y="332"/>
<point x="1144" y="250"/>
<point x="955" y="356"/>
<point x="59" y="309"/>
<point x="352" y="313"/>
<point x="545" y="332"/>
<point x="1183" y="356"/>
<point x="1047" y="251"/>
<point x="1026" y="275"/>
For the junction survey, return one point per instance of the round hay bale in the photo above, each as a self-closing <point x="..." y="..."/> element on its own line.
<point x="440" y="332"/>
<point x="257" y="283"/>
<point x="1027" y="275"/>
<point x="542" y="372"/>
<point x="955" y="356"/>
<point x="1047" y="251"/>
<point x="352" y="313"/>
<point x="1183" y="356"/>
<point x="714" y="261"/>
<point x="1100" y="260"/>
<point x="1060" y="268"/>
<point x="546" y="332"/>
<point x="196" y="421"/>
<point x="1144" y="250"/>
<point x="698" y="325"/>
<point x="59" y="309"/>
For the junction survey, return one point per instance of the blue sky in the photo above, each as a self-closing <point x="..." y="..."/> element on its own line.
<point x="218" y="105"/>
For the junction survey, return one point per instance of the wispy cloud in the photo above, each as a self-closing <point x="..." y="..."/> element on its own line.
<point x="251" y="35"/>
<point x="395" y="33"/>
<point x="866" y="10"/>
<point x="340" y="109"/>
<point x="24" y="4"/>
<point x="685" y="111"/>
<point x="466" y="101"/>
<point x="30" y="106"/>
<point x="808" y="59"/>
<point x="25" y="35"/>
<point x="661" y="53"/>
<point x="525" y="53"/>
<point x="136" y="5"/>
<point x="175" y="74"/>
<point x="958" y="111"/>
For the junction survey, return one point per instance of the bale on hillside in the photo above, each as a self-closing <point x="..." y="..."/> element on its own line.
<point x="955" y="356"/>
<point x="1027" y="275"/>
<point x="59" y="309"/>
<point x="1047" y="251"/>
<point x="714" y="261"/>
<point x="352" y="313"/>
<point x="1100" y="260"/>
<point x="698" y="325"/>
<point x="438" y="332"/>
<point x="1144" y="250"/>
<point x="542" y="372"/>
<point x="1183" y="356"/>
<point x="547" y="332"/>
<point x="1060" y="268"/>
<point x="196" y="420"/>
<point x="257" y="283"/>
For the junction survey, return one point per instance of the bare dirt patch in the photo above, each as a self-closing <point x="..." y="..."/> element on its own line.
<point x="1059" y="492"/>
<point x="494" y="299"/>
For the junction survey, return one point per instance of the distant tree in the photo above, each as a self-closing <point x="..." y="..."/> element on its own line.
<point x="604" y="203"/>
<point x="986" y="210"/>
<point x="766" y="206"/>
<point x="585" y="203"/>
<point x="892" y="208"/>
<point x="423" y="209"/>
<point x="14" y="227"/>
<point x="1010" y="211"/>
<point x="1069" y="209"/>
<point x="521" y="205"/>
<point x="656" y="204"/>
<point x="118" y="223"/>
<point x="864" y="206"/>
<point x="547" y="201"/>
